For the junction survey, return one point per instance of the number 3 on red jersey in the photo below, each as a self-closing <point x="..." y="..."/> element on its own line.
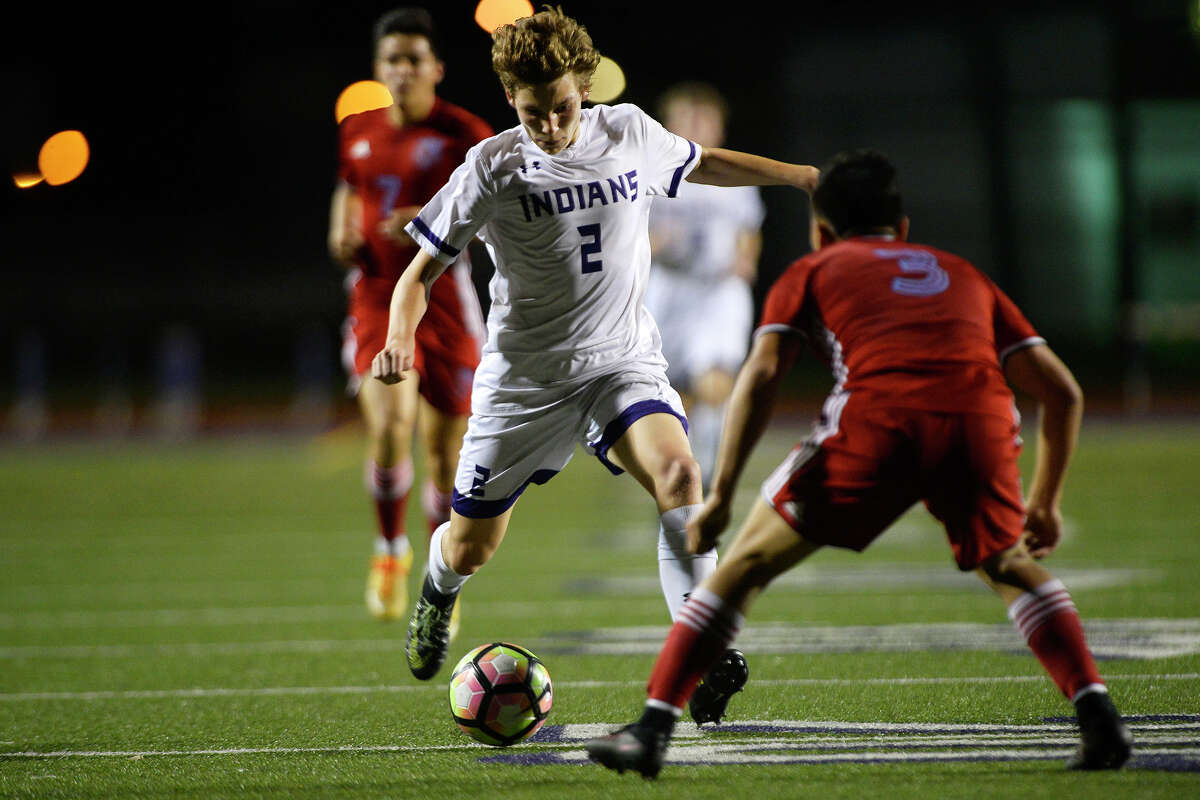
<point x="927" y="277"/>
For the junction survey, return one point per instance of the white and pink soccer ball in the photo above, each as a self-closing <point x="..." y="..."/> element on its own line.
<point x="500" y="694"/>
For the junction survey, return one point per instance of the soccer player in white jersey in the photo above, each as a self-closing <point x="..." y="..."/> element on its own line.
<point x="705" y="244"/>
<point x="561" y="203"/>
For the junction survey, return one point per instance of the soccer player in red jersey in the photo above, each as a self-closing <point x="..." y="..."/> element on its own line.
<point x="390" y="162"/>
<point x="921" y="344"/>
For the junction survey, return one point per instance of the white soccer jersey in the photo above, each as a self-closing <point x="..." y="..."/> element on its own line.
<point x="568" y="236"/>
<point x="699" y="228"/>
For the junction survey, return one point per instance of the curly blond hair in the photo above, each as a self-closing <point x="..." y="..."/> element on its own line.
<point x="541" y="49"/>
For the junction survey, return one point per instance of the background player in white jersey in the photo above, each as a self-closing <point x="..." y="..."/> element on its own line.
<point x="705" y="245"/>
<point x="571" y="354"/>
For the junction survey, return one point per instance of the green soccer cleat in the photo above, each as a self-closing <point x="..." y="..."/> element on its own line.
<point x="429" y="631"/>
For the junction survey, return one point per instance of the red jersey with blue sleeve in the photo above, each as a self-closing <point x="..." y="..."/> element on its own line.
<point x="907" y="325"/>
<point x="390" y="167"/>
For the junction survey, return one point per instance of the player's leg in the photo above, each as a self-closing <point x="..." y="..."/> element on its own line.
<point x="457" y="549"/>
<point x="707" y="625"/>
<point x="654" y="449"/>
<point x="698" y="646"/>
<point x="389" y="414"/>
<point x="976" y="493"/>
<point x="499" y="458"/>
<point x="706" y="416"/>
<point x="442" y="434"/>
<point x="1043" y="612"/>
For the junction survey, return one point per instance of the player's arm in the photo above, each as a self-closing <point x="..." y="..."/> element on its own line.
<point x="410" y="299"/>
<point x="721" y="167"/>
<point x="1038" y="372"/>
<point x="345" y="224"/>
<point x="751" y="405"/>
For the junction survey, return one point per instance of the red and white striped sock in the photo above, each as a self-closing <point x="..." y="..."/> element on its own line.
<point x="704" y="630"/>
<point x="389" y="488"/>
<point x="1047" y="618"/>
<point x="436" y="505"/>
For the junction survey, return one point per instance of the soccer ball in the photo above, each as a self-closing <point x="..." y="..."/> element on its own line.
<point x="500" y="694"/>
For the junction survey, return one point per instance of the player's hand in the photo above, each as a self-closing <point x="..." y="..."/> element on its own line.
<point x="392" y="226"/>
<point x="705" y="529"/>
<point x="807" y="177"/>
<point x="1043" y="529"/>
<point x="392" y="362"/>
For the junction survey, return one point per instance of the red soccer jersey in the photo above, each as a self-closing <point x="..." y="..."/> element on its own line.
<point x="906" y="324"/>
<point x="390" y="167"/>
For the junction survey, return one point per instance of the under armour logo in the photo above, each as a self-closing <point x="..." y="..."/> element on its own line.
<point x="536" y="165"/>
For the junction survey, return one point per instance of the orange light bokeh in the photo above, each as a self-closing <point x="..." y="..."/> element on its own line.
<point x="63" y="157"/>
<point x="359" y="97"/>
<point x="491" y="14"/>
<point x="24" y="180"/>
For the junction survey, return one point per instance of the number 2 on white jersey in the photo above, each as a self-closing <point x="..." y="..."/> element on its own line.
<point x="587" y="249"/>
<point x="928" y="276"/>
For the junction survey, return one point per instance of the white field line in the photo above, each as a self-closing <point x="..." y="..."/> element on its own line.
<point x="1135" y="637"/>
<point x="168" y="617"/>
<point x="836" y="749"/>
<point x="201" y="648"/>
<point x="250" y="615"/>
<point x="237" y="751"/>
<point x="275" y="691"/>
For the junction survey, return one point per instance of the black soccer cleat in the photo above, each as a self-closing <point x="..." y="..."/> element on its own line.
<point x="429" y="631"/>
<point x="633" y="747"/>
<point x="727" y="677"/>
<point x="1106" y="742"/>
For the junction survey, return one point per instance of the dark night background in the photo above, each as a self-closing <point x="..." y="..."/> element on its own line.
<point x="1056" y="145"/>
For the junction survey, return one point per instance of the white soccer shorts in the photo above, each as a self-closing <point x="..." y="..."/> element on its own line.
<point x="503" y="454"/>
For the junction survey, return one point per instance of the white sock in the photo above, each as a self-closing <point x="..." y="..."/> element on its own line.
<point x="444" y="579"/>
<point x="397" y="547"/>
<point x="679" y="571"/>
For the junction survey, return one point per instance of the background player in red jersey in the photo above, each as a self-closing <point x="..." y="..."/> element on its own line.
<point x="390" y="162"/>
<point x="920" y="343"/>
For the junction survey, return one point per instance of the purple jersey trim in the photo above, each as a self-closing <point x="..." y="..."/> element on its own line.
<point x="678" y="176"/>
<point x="487" y="509"/>
<point x="442" y="247"/>
<point x="616" y="429"/>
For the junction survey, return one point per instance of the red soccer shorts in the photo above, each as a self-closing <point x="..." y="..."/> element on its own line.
<point x="865" y="466"/>
<point x="447" y="349"/>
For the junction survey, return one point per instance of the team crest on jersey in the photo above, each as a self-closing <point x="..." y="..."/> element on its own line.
<point x="360" y="149"/>
<point x="427" y="151"/>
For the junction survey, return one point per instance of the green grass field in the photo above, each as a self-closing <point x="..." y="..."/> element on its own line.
<point x="185" y="620"/>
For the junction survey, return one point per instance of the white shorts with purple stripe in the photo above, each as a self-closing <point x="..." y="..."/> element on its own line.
<point x="503" y="453"/>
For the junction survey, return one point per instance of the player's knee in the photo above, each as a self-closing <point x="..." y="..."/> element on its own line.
<point x="680" y="477"/>
<point x="1008" y="566"/>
